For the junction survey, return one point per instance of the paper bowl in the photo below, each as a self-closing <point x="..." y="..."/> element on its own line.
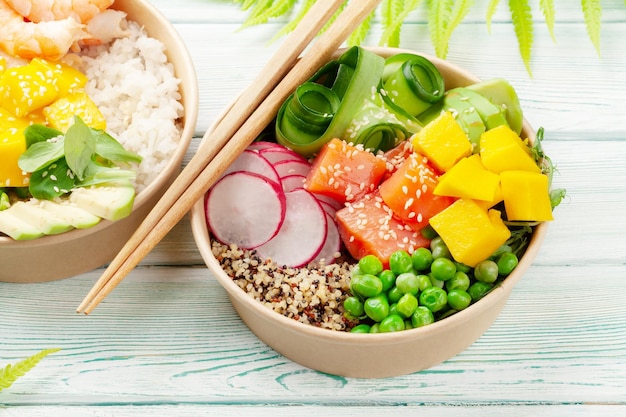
<point x="65" y="255"/>
<point x="370" y="355"/>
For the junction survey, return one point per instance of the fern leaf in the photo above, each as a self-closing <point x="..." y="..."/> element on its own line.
<point x="438" y="15"/>
<point x="521" y="15"/>
<point x="358" y="36"/>
<point x="394" y="26"/>
<point x="547" y="8"/>
<point x="458" y="13"/>
<point x="289" y="27"/>
<point x="491" y="10"/>
<point x="593" y="12"/>
<point x="12" y="372"/>
<point x="277" y="9"/>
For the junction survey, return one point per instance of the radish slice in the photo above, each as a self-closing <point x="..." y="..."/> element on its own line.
<point x="245" y="209"/>
<point x="276" y="154"/>
<point x="302" y="234"/>
<point x="257" y="146"/>
<point x="329" y="200"/>
<point x="291" y="182"/>
<point x="284" y="168"/>
<point x="328" y="208"/>
<point x="332" y="245"/>
<point x="251" y="161"/>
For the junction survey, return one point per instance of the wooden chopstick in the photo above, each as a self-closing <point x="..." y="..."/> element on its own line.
<point x="246" y="119"/>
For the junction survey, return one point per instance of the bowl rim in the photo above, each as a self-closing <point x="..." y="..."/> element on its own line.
<point x="202" y="238"/>
<point x="184" y="70"/>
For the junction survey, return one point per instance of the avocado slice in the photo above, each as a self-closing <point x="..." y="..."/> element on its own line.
<point x="17" y="228"/>
<point x="492" y="114"/>
<point x="466" y="115"/>
<point x="111" y="200"/>
<point x="71" y="213"/>
<point x="39" y="218"/>
<point x="500" y="92"/>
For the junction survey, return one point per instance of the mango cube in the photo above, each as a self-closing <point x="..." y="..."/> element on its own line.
<point x="443" y="142"/>
<point x="67" y="78"/>
<point x="60" y="114"/>
<point x="12" y="145"/>
<point x="471" y="232"/>
<point x="526" y="196"/>
<point x="25" y="88"/>
<point x="468" y="178"/>
<point x="501" y="149"/>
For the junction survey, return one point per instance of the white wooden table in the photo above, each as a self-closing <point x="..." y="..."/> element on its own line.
<point x="167" y="342"/>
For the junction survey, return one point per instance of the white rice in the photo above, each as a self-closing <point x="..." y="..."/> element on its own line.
<point x="136" y="90"/>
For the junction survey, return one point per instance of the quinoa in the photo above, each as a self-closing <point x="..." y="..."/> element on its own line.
<point x="313" y="295"/>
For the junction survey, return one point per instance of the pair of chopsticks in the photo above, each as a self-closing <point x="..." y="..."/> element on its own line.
<point x="244" y="121"/>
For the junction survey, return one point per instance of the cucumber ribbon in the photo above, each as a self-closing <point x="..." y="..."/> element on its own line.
<point x="347" y="99"/>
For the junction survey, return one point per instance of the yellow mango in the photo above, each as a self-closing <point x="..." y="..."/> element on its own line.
<point x="501" y="149"/>
<point x="3" y="64"/>
<point x="496" y="199"/>
<point x="67" y="78"/>
<point x="471" y="232"/>
<point x="526" y="196"/>
<point x="442" y="141"/>
<point x="26" y="88"/>
<point x="468" y="178"/>
<point x="60" y="114"/>
<point x="12" y="145"/>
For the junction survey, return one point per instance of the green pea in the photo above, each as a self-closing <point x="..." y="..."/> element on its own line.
<point x="506" y="263"/>
<point x="422" y="258"/>
<point x="486" y="271"/>
<point x="443" y="269"/>
<point x="428" y="232"/>
<point x="459" y="299"/>
<point x="479" y="289"/>
<point x="391" y="323"/>
<point x="422" y="317"/>
<point x="370" y="264"/>
<point x="407" y="324"/>
<point x="377" y="308"/>
<point x="435" y="282"/>
<point x="433" y="298"/>
<point x="463" y="268"/>
<point x="393" y="308"/>
<point x="356" y="270"/>
<point x="439" y="249"/>
<point x="375" y="328"/>
<point x="361" y="328"/>
<point x="394" y="294"/>
<point x="460" y="281"/>
<point x="353" y="306"/>
<point x="408" y="283"/>
<point x="400" y="262"/>
<point x="425" y="282"/>
<point x="366" y="285"/>
<point x="388" y="278"/>
<point x="406" y="305"/>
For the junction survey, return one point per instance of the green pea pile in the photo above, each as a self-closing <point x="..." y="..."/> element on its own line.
<point x="418" y="288"/>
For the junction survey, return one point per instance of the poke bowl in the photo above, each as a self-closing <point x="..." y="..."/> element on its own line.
<point x="137" y="105"/>
<point x="332" y="309"/>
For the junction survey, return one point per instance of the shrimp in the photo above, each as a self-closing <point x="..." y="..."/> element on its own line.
<point x="48" y="10"/>
<point x="51" y="40"/>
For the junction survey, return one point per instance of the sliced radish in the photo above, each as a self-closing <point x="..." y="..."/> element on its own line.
<point x="291" y="182"/>
<point x="302" y="234"/>
<point x="329" y="200"/>
<point x="276" y="154"/>
<point x="292" y="167"/>
<point x="257" y="146"/>
<point x="332" y="244"/>
<point x="251" y="161"/>
<point x="245" y="209"/>
<point x="328" y="208"/>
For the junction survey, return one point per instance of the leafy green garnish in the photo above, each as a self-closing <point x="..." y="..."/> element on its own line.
<point x="83" y="156"/>
<point x="11" y="373"/>
<point x="547" y="167"/>
<point x="443" y="17"/>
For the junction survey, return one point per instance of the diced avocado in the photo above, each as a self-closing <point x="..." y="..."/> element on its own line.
<point x="71" y="213"/>
<point x="17" y="228"/>
<point x="41" y="219"/>
<point x="500" y="92"/>
<point x="111" y="200"/>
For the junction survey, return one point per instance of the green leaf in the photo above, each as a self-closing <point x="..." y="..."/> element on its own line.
<point x="109" y="148"/>
<point x="521" y="15"/>
<point x="52" y="181"/>
<point x="80" y="146"/>
<point x="277" y="9"/>
<point x="592" y="12"/>
<point x="358" y="36"/>
<point x="289" y="27"/>
<point x="98" y="174"/>
<point x="41" y="154"/>
<point x="491" y="10"/>
<point x="393" y="26"/>
<point x="547" y="8"/>
<point x="39" y="133"/>
<point x="444" y="16"/>
<point x="11" y="373"/>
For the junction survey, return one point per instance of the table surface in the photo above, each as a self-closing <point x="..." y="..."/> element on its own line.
<point x="167" y="341"/>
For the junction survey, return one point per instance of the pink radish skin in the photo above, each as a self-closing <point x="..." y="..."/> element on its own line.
<point x="303" y="233"/>
<point x="329" y="200"/>
<point x="285" y="168"/>
<point x="332" y="244"/>
<point x="260" y="145"/>
<point x="276" y="154"/>
<point x="245" y="209"/>
<point x="291" y="182"/>
<point x="250" y="161"/>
